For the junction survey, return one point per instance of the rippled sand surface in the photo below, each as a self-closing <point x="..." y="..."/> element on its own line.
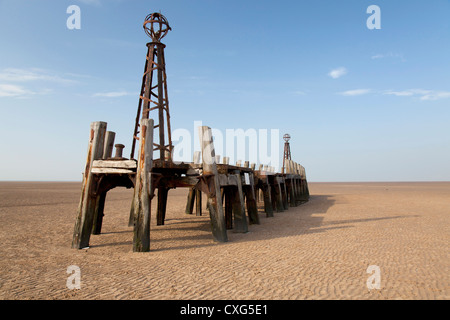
<point x="319" y="250"/>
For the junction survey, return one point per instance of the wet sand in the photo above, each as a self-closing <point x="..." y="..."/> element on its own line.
<point x="319" y="250"/>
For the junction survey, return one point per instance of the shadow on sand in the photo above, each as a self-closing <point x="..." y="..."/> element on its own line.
<point x="307" y="218"/>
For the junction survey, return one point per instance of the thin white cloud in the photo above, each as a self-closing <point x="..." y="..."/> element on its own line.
<point x="356" y="92"/>
<point x="16" y="91"/>
<point x="338" y="72"/>
<point x="10" y="90"/>
<point x="388" y="55"/>
<point x="436" y="95"/>
<point x="112" y="94"/>
<point x="32" y="74"/>
<point x="420" y="93"/>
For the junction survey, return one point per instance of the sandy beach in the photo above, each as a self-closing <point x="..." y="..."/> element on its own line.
<point x="319" y="250"/>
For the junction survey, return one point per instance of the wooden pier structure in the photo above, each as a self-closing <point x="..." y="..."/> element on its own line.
<point x="232" y="191"/>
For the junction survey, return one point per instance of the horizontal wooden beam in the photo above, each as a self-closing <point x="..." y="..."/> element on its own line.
<point x="111" y="171"/>
<point x="123" y="164"/>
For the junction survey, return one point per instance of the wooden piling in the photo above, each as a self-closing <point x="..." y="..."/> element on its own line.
<point x="228" y="193"/>
<point x="215" y="207"/>
<point x="190" y="201"/>
<point x="109" y="144"/>
<point x="252" y="207"/>
<point x="143" y="188"/>
<point x="240" y="220"/>
<point x="162" y="205"/>
<point x="98" y="214"/>
<point x="198" y="202"/>
<point x="267" y="196"/>
<point x="89" y="200"/>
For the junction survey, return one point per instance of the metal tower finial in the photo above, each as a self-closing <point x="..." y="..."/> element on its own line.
<point x="156" y="26"/>
<point x="287" y="137"/>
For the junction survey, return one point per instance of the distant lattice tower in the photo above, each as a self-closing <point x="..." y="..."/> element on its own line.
<point x="287" y="151"/>
<point x="153" y="94"/>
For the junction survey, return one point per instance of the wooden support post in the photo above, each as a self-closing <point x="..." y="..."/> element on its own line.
<point x="198" y="202"/>
<point x="267" y="195"/>
<point x="279" y="196"/>
<point x="284" y="195"/>
<point x="89" y="200"/>
<point x="98" y="216"/>
<point x="190" y="201"/>
<point x="197" y="157"/>
<point x="240" y="220"/>
<point x="143" y="188"/>
<point x="292" y="199"/>
<point x="215" y="207"/>
<point x="291" y="184"/>
<point x="192" y="192"/>
<point x="228" y="192"/>
<point x="162" y="204"/>
<point x="109" y="144"/>
<point x="252" y="207"/>
<point x="107" y="153"/>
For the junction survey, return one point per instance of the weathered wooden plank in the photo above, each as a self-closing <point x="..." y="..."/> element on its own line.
<point x="121" y="164"/>
<point x="111" y="171"/>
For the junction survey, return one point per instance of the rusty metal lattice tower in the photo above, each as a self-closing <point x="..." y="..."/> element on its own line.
<point x="153" y="94"/>
<point x="287" y="151"/>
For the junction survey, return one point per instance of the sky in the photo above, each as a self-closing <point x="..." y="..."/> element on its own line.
<point x="360" y="103"/>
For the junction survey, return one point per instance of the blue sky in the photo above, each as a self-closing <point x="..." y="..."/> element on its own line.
<point x="360" y="104"/>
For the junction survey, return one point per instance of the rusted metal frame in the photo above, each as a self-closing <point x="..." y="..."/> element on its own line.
<point x="146" y="81"/>
<point x="159" y="48"/>
<point x="165" y="105"/>
<point x="135" y="133"/>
